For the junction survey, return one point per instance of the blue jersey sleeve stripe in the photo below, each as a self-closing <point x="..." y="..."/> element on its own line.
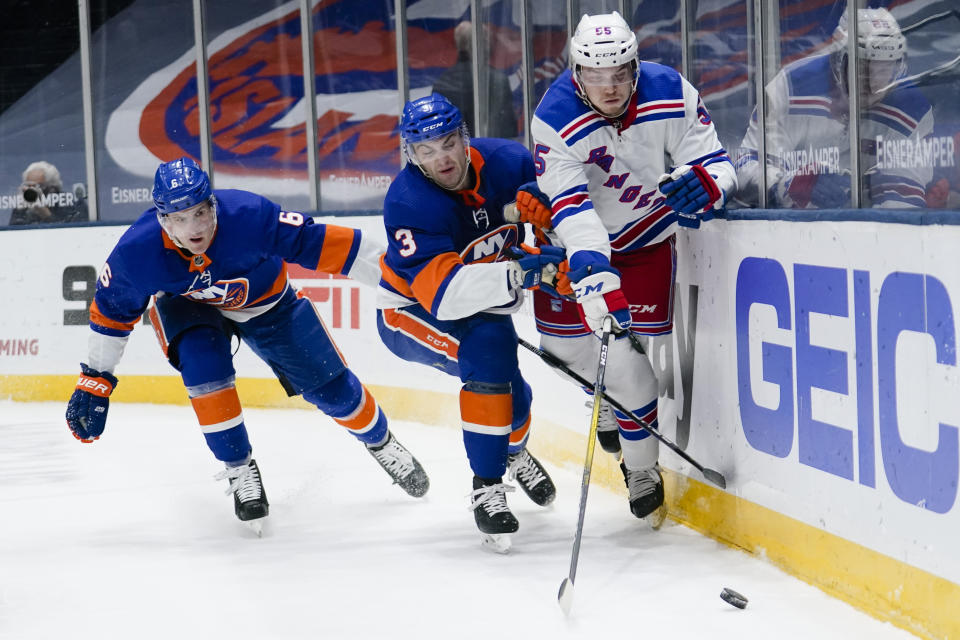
<point x="570" y="211"/>
<point x="577" y="189"/>
<point x="442" y="289"/>
<point x="352" y="253"/>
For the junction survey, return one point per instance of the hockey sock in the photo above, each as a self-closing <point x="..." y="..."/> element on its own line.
<point x="349" y="403"/>
<point x="221" y="421"/>
<point x="486" y="413"/>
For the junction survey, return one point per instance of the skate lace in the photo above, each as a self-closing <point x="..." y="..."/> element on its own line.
<point x="641" y="482"/>
<point x="244" y="481"/>
<point x="394" y="458"/>
<point x="493" y="498"/>
<point x="523" y="467"/>
<point x="607" y="421"/>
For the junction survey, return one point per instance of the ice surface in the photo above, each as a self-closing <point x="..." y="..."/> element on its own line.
<point x="130" y="537"/>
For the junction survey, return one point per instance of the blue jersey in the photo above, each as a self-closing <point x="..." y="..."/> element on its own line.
<point x="444" y="248"/>
<point x="242" y="273"/>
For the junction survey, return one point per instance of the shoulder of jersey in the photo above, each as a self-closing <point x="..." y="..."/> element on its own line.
<point x="501" y="156"/>
<point x="658" y="82"/>
<point x="410" y="193"/>
<point x="906" y="105"/>
<point x="810" y="76"/>
<point x="560" y="104"/>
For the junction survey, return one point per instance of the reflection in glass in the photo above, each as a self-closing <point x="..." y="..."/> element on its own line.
<point x="500" y="71"/>
<point x="41" y="115"/>
<point x="807" y="128"/>
<point x="657" y="25"/>
<point x="550" y="35"/>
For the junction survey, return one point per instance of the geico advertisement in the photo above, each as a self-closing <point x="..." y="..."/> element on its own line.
<point x="829" y="352"/>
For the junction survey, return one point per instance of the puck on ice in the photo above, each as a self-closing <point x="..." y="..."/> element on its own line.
<point x="732" y="597"/>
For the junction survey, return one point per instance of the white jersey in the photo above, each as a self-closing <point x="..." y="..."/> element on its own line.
<point x="807" y="134"/>
<point x="601" y="174"/>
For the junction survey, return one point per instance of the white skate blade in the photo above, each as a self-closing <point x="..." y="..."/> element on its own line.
<point x="496" y="542"/>
<point x="256" y="526"/>
<point x="657" y="518"/>
<point x="565" y="597"/>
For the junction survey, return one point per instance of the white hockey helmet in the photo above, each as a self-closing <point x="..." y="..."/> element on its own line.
<point x="880" y="45"/>
<point x="603" y="40"/>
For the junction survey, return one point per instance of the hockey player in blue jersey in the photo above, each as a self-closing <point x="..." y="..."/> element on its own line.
<point x="453" y="273"/>
<point x="214" y="263"/>
<point x="807" y="126"/>
<point x="625" y="151"/>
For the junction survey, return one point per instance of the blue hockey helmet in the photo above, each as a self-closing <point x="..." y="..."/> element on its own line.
<point x="180" y="184"/>
<point x="429" y="117"/>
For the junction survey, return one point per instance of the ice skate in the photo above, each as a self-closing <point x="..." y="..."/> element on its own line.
<point x="646" y="494"/>
<point x="249" y="498"/>
<point x="532" y="477"/>
<point x="402" y="466"/>
<point x="608" y="430"/>
<point x="489" y="505"/>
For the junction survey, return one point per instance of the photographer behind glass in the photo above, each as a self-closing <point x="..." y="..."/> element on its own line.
<point x="42" y="198"/>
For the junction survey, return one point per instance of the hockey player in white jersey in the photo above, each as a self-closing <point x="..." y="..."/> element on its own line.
<point x="807" y="126"/>
<point x="624" y="150"/>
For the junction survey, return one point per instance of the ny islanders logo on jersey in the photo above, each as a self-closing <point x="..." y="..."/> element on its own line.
<point x="228" y="294"/>
<point x="489" y="247"/>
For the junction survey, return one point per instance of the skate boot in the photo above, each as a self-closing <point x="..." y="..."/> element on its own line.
<point x="532" y="477"/>
<point x="646" y="494"/>
<point x="608" y="430"/>
<point x="402" y="466"/>
<point x="249" y="499"/>
<point x="489" y="505"/>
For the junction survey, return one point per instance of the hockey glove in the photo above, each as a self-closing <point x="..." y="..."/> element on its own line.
<point x="597" y="289"/>
<point x="535" y="267"/>
<point x="87" y="409"/>
<point x="822" y="191"/>
<point x="692" y="193"/>
<point x="533" y="206"/>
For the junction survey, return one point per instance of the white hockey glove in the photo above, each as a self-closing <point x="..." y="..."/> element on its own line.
<point x="597" y="288"/>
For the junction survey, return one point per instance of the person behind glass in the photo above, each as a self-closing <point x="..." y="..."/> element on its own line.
<point x="456" y="84"/>
<point x="454" y="271"/>
<point x="625" y="151"/>
<point x="44" y="200"/>
<point x="214" y="263"/>
<point x="807" y="126"/>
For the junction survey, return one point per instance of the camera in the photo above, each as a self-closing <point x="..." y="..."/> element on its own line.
<point x="33" y="195"/>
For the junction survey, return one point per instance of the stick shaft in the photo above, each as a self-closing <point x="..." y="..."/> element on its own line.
<point x="714" y="476"/>
<point x="591" y="442"/>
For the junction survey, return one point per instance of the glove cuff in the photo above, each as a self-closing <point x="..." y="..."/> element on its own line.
<point x="95" y="382"/>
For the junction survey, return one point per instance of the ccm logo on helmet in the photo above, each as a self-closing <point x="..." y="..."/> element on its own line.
<point x="432" y="126"/>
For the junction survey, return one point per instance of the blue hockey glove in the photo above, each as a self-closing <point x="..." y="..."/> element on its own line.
<point x="87" y="409"/>
<point x="597" y="289"/>
<point x="535" y="267"/>
<point x="692" y="193"/>
<point x="804" y="189"/>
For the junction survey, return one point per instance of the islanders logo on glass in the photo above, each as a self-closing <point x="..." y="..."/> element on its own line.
<point x="258" y="109"/>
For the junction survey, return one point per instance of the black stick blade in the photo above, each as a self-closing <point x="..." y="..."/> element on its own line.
<point x="715" y="477"/>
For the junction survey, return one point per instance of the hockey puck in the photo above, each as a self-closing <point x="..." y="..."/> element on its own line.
<point x="733" y="598"/>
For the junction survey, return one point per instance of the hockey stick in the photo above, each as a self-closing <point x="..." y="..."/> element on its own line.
<point x="565" y="597"/>
<point x="713" y="476"/>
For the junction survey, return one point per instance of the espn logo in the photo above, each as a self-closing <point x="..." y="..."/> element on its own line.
<point x="96" y="386"/>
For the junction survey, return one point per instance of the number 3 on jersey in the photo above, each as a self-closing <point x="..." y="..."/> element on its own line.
<point x="405" y="237"/>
